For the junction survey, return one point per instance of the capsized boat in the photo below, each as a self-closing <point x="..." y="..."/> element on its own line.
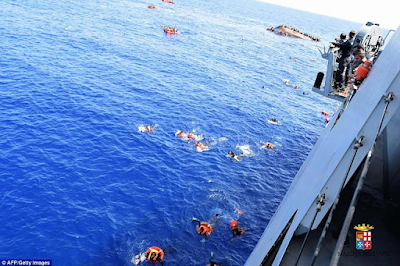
<point x="293" y="32"/>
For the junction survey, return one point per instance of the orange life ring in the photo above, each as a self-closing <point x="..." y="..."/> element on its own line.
<point x="155" y="250"/>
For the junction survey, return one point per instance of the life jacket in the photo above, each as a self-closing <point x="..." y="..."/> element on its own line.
<point x="362" y="72"/>
<point x="207" y="229"/>
<point x="148" y="128"/>
<point x="156" y="250"/>
<point x="181" y="133"/>
<point x="190" y="135"/>
<point x="200" y="145"/>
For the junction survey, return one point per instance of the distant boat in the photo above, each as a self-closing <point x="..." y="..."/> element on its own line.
<point x="170" y="30"/>
<point x="293" y="32"/>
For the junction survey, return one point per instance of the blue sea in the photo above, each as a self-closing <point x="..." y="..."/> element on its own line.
<point x="80" y="185"/>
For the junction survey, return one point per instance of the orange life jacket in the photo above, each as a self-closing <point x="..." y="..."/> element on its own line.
<point x="200" y="145"/>
<point x="207" y="229"/>
<point x="156" y="250"/>
<point x="362" y="71"/>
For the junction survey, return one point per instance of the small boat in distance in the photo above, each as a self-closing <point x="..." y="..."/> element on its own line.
<point x="169" y="1"/>
<point x="293" y="32"/>
<point x="170" y="30"/>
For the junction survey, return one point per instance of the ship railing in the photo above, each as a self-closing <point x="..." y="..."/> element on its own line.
<point x="332" y="55"/>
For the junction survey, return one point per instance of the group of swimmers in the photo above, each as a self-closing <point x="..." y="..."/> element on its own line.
<point x="156" y="255"/>
<point x="204" y="146"/>
<point x="192" y="136"/>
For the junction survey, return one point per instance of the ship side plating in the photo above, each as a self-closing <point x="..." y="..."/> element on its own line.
<point x="333" y="160"/>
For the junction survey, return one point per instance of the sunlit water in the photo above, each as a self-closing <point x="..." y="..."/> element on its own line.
<point x="79" y="184"/>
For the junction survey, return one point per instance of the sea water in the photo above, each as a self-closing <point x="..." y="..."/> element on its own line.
<point x="80" y="185"/>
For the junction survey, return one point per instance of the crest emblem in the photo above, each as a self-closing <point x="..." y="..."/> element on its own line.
<point x="363" y="237"/>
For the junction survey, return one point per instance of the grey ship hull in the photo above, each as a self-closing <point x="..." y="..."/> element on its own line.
<point x="324" y="172"/>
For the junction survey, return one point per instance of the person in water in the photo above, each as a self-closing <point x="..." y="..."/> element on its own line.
<point x="148" y="128"/>
<point x="181" y="134"/>
<point x="191" y="135"/>
<point x="268" y="145"/>
<point x="273" y="119"/>
<point x="232" y="155"/>
<point x="153" y="254"/>
<point x="236" y="230"/>
<point x="205" y="229"/>
<point x="201" y="146"/>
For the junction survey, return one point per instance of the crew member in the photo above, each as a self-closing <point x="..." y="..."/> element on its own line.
<point x="345" y="60"/>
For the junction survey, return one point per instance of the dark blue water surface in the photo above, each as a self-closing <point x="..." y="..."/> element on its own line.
<point x="81" y="186"/>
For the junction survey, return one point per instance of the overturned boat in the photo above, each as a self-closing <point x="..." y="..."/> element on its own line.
<point x="293" y="32"/>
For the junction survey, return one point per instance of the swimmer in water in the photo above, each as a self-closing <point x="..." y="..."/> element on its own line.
<point x="287" y="82"/>
<point x="273" y="119"/>
<point x="236" y="230"/>
<point x="147" y="128"/>
<point x="192" y="136"/>
<point x="181" y="134"/>
<point x="232" y="155"/>
<point x="153" y="254"/>
<point x="202" y="146"/>
<point x="267" y="145"/>
<point x="203" y="228"/>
